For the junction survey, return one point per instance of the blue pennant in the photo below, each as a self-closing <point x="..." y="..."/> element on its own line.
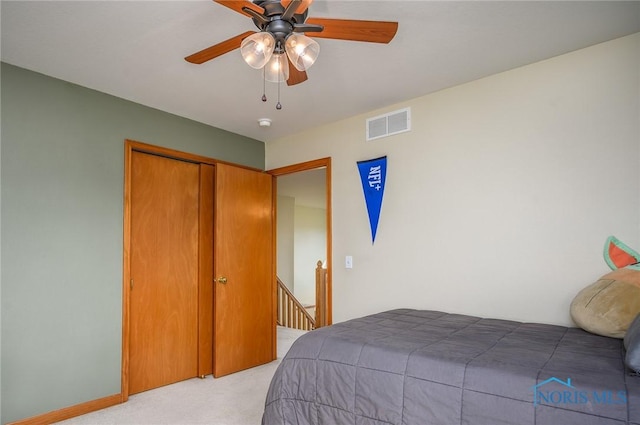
<point x="373" y="174"/>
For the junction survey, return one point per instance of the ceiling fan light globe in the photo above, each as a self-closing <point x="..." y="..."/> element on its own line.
<point x="302" y="51"/>
<point x="277" y="69"/>
<point x="257" y="49"/>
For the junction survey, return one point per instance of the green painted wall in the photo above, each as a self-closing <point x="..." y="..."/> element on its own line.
<point x="62" y="177"/>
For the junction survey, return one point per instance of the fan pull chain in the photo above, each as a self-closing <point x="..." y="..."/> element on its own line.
<point x="264" y="84"/>
<point x="278" y="105"/>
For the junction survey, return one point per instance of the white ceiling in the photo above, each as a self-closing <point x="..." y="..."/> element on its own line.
<point x="135" y="50"/>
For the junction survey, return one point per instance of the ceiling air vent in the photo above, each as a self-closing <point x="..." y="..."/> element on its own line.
<point x="389" y="124"/>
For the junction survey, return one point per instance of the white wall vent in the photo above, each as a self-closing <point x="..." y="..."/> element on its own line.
<point x="389" y="124"/>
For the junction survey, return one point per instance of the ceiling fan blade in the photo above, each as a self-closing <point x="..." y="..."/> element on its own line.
<point x="295" y="76"/>
<point x="303" y="6"/>
<point x="218" y="50"/>
<point x="237" y="5"/>
<point x="291" y="9"/>
<point x="347" y="29"/>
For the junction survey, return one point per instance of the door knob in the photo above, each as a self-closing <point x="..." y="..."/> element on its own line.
<point x="221" y="279"/>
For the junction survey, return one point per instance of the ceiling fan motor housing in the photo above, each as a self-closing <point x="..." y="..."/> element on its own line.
<point x="280" y="28"/>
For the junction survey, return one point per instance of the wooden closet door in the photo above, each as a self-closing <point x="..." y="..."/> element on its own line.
<point x="244" y="324"/>
<point x="164" y="271"/>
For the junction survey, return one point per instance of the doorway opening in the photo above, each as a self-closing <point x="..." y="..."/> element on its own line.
<point x="303" y="226"/>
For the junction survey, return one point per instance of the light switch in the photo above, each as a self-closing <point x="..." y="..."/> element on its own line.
<point x="348" y="262"/>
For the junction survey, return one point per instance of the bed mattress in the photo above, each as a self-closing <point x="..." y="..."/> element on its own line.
<point x="421" y="367"/>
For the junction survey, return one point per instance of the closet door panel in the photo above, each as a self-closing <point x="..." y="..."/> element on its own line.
<point x="164" y="271"/>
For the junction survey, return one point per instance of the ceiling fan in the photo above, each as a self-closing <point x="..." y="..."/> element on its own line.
<point x="282" y="46"/>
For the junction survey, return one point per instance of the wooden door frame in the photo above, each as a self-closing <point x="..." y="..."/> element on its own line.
<point x="308" y="166"/>
<point x="129" y="147"/>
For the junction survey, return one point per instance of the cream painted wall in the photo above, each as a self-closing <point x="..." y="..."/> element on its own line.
<point x="310" y="246"/>
<point x="499" y="200"/>
<point x="302" y="235"/>
<point x="285" y="239"/>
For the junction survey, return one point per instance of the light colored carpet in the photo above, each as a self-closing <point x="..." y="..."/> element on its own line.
<point x="236" y="399"/>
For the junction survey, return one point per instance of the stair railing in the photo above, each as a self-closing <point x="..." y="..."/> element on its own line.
<point x="291" y="313"/>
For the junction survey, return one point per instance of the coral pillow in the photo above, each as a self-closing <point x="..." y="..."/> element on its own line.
<point x="618" y="255"/>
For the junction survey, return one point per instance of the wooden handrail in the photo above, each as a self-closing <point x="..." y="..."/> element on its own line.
<point x="321" y="295"/>
<point x="291" y="313"/>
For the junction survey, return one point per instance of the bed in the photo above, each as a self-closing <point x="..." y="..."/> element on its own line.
<point x="421" y="367"/>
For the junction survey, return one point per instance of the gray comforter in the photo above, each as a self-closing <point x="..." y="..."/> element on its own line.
<point x="427" y="367"/>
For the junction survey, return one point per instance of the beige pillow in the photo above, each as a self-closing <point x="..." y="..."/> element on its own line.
<point x="608" y="306"/>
